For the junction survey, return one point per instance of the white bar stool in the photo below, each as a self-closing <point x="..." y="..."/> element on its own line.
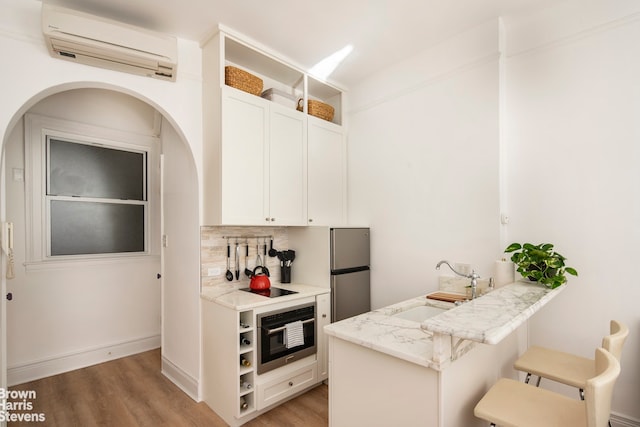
<point x="511" y="403"/>
<point x="567" y="368"/>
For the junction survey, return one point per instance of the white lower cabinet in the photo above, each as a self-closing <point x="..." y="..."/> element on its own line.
<point x="278" y="388"/>
<point x="228" y="340"/>
<point x="231" y="384"/>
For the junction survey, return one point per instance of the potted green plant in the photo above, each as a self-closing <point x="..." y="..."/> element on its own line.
<point x="540" y="263"/>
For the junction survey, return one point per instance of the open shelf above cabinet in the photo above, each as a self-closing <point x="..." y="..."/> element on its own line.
<point x="278" y="74"/>
<point x="263" y="66"/>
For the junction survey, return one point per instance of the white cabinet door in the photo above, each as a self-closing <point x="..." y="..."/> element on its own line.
<point x="323" y="309"/>
<point x="287" y="166"/>
<point x="244" y="159"/>
<point x="326" y="173"/>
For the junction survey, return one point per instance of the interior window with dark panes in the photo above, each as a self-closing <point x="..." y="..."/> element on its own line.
<point x="96" y="197"/>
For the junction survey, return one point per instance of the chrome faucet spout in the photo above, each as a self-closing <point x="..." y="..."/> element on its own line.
<point x="473" y="276"/>
<point x="451" y="267"/>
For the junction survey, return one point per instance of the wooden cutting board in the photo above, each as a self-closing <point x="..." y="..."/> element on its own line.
<point x="448" y="297"/>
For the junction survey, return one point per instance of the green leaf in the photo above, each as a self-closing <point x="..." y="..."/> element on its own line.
<point x="555" y="263"/>
<point x="571" y="271"/>
<point x="513" y="247"/>
<point x="546" y="246"/>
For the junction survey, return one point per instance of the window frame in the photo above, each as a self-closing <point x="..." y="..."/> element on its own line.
<point x="38" y="130"/>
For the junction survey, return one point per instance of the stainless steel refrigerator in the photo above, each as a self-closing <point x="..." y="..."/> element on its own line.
<point x="335" y="257"/>
<point x="350" y="272"/>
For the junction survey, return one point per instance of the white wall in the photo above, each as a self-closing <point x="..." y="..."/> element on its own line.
<point x="181" y="265"/>
<point x="31" y="75"/>
<point x="423" y="164"/>
<point x="561" y="110"/>
<point x="67" y="315"/>
<point x="573" y="102"/>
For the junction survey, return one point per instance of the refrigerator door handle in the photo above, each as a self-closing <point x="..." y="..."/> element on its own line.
<point x="349" y="270"/>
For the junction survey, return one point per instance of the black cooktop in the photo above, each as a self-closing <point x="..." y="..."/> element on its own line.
<point x="270" y="293"/>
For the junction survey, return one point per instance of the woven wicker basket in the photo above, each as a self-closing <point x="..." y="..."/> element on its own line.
<point x="318" y="109"/>
<point x="240" y="79"/>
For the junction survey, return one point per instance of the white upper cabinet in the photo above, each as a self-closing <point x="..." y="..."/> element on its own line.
<point x="258" y="168"/>
<point x="287" y="166"/>
<point x="326" y="173"/>
<point x="244" y="159"/>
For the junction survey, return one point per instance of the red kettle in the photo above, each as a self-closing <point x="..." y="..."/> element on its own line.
<point x="260" y="281"/>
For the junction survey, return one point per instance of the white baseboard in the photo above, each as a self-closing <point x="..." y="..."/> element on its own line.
<point x="180" y="378"/>
<point x="619" y="420"/>
<point x="19" y="374"/>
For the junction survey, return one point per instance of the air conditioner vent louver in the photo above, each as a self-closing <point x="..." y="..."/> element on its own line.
<point x="91" y="40"/>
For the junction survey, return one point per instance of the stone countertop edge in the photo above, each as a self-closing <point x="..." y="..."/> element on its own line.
<point x="488" y="319"/>
<point x="379" y="330"/>
<point x="230" y="296"/>
<point x="491" y="317"/>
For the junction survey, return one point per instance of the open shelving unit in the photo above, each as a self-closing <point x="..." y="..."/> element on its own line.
<point x="279" y="74"/>
<point x="246" y="384"/>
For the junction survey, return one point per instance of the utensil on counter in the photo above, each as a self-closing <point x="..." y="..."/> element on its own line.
<point x="237" y="261"/>
<point x="286" y="257"/>
<point x="247" y="272"/>
<point x="229" y="274"/>
<point x="291" y="255"/>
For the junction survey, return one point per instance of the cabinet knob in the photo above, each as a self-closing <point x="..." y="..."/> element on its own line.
<point x="310" y="219"/>
<point x="290" y="383"/>
<point x="273" y="219"/>
<point x="324" y="316"/>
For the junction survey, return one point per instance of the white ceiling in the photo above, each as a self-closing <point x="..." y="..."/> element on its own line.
<point x="306" y="31"/>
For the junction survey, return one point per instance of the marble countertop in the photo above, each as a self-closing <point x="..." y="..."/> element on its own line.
<point x="487" y="319"/>
<point x="495" y="315"/>
<point x="230" y="296"/>
<point x="380" y="331"/>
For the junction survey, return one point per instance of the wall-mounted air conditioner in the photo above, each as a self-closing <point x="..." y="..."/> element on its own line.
<point x="92" y="40"/>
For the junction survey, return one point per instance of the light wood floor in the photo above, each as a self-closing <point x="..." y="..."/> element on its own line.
<point x="132" y="392"/>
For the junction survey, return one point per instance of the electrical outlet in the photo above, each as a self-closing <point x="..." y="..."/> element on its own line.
<point x="214" y="271"/>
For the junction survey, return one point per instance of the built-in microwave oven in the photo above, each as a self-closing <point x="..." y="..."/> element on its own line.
<point x="274" y="350"/>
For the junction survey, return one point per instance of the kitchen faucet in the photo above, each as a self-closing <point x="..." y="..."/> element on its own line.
<point x="473" y="276"/>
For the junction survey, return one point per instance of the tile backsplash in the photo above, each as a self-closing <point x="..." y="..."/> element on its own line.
<point x="213" y="252"/>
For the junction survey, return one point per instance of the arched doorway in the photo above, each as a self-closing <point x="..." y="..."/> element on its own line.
<point x="78" y="313"/>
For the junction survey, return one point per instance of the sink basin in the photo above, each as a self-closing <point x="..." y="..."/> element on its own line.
<point x="420" y="313"/>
